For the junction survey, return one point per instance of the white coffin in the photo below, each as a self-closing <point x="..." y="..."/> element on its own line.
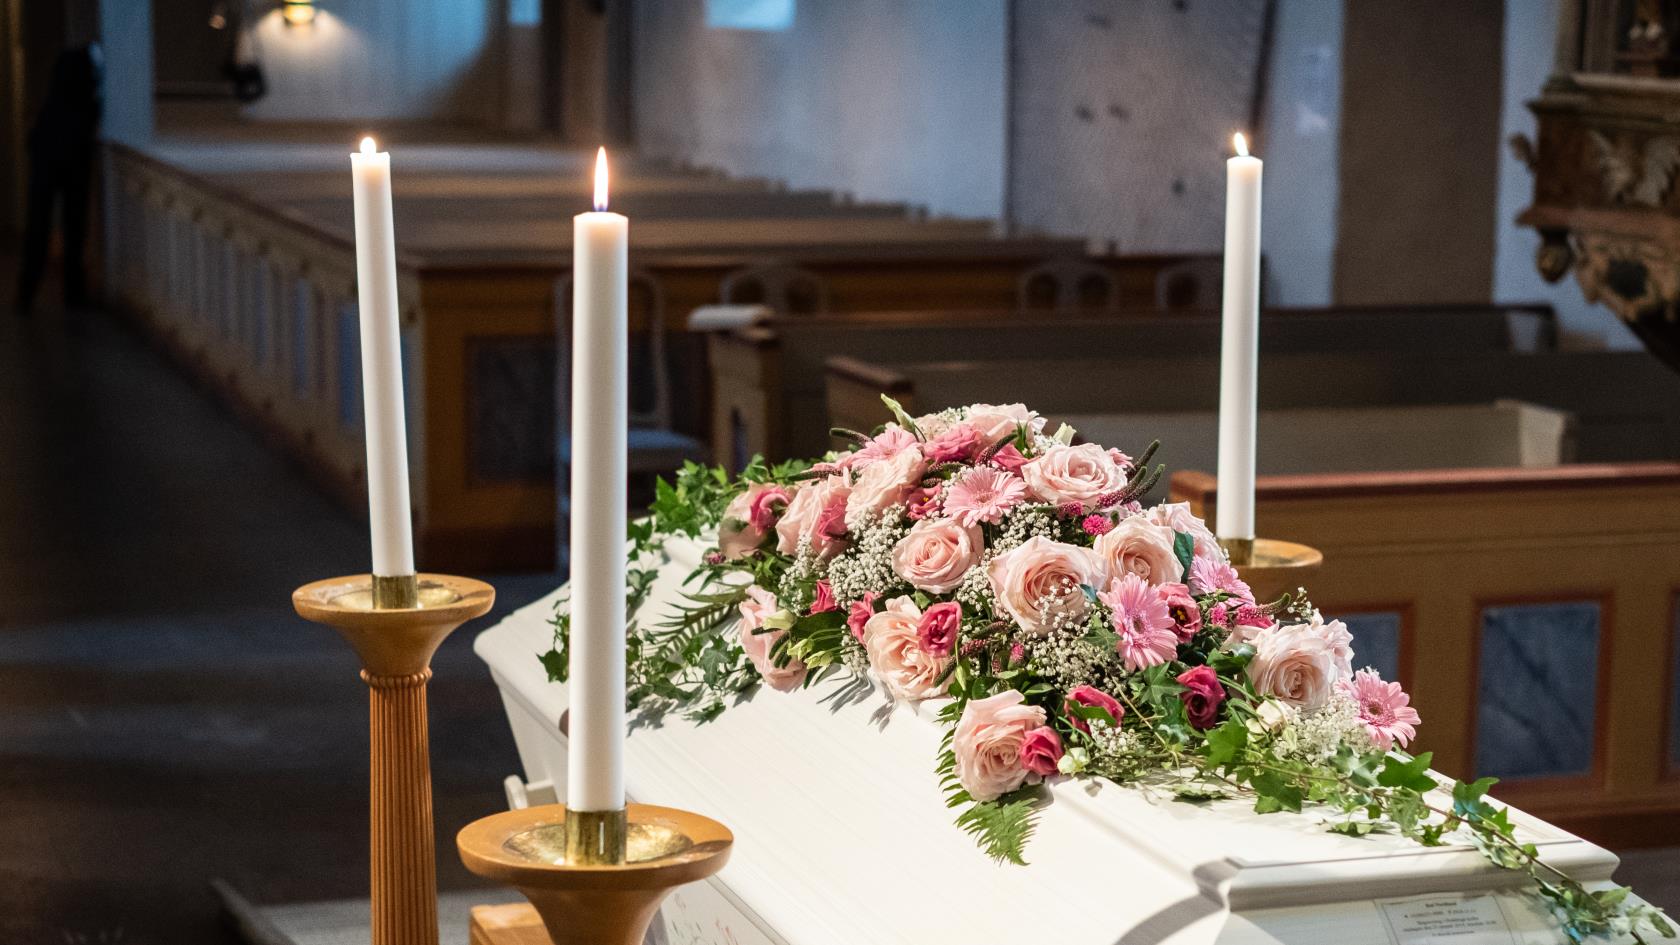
<point x="842" y="838"/>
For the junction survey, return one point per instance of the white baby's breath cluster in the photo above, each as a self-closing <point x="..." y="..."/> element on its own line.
<point x="867" y="565"/>
<point x="794" y="590"/>
<point x="1118" y="753"/>
<point x="1068" y="658"/>
<point x="1317" y="736"/>
<point x="975" y="593"/>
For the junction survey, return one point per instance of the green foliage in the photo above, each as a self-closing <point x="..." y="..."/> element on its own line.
<point x="1001" y="827"/>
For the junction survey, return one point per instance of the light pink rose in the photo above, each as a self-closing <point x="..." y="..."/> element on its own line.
<point x="748" y="518"/>
<point x="1178" y="517"/>
<point x="936" y="554"/>
<point x="891" y="638"/>
<point x="960" y="442"/>
<point x="1139" y="546"/>
<point x="812" y="514"/>
<point x="760" y="606"/>
<point x="1082" y="474"/>
<point x="995" y="421"/>
<point x="1300" y="665"/>
<point x="883" y="484"/>
<point x="987" y="743"/>
<point x="938" y="629"/>
<point x="1038" y="583"/>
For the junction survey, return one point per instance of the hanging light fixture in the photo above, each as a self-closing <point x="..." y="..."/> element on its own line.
<point x="298" y="12"/>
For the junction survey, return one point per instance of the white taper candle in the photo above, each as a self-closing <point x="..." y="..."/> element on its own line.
<point x="600" y="415"/>
<point x="382" y="392"/>
<point x="1240" y="346"/>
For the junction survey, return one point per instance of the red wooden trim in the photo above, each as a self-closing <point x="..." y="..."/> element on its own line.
<point x="1438" y="481"/>
<point x="1593" y="780"/>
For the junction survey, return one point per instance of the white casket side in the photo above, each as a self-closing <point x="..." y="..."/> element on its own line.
<point x="843" y="837"/>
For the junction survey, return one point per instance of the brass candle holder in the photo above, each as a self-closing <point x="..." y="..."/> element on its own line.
<point x="396" y="646"/>
<point x="1270" y="567"/>
<point x="588" y="902"/>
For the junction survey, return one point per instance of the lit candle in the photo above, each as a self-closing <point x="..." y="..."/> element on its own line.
<point x="600" y="414"/>
<point x="382" y="393"/>
<point x="1239" y="350"/>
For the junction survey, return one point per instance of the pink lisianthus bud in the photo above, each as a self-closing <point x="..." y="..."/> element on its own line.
<point x="714" y="557"/>
<point x="1093" y="697"/>
<point x="1041" y="749"/>
<point x="767" y="505"/>
<point x="1095" y="525"/>
<point x="824" y="601"/>
<point x="1009" y="459"/>
<point x="1203" y="695"/>
<point x="937" y="631"/>
<point x="859" y="613"/>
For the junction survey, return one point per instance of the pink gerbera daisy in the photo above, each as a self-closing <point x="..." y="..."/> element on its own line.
<point x="1142" y="620"/>
<point x="889" y="443"/>
<point x="983" y="494"/>
<point x="1384" y="708"/>
<point x="1210" y="574"/>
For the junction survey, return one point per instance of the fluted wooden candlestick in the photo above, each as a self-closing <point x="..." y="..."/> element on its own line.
<point x="396" y="648"/>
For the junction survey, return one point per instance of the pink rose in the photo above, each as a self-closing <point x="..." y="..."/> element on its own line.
<point x="1040" y="750"/>
<point x="987" y="743"/>
<point x="759" y="607"/>
<point x="892" y="640"/>
<point x="937" y="631"/>
<point x="1178" y="517"/>
<point x="1009" y="459"/>
<point x="1300" y="665"/>
<point x="858" y="614"/>
<point x="1202" y="696"/>
<point x="824" y="601"/>
<point x="959" y="443"/>
<point x="812" y="517"/>
<point x="1081" y="474"/>
<point x="748" y="518"/>
<point x="1182" y="608"/>
<point x="1139" y="546"/>
<point x="884" y="484"/>
<point x="995" y="421"/>
<point x="1038" y="583"/>
<point x="936" y="554"/>
<point x="1091" y="697"/>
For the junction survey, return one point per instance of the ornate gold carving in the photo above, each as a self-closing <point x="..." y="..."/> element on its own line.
<point x="1635" y="171"/>
<point x="1630" y="277"/>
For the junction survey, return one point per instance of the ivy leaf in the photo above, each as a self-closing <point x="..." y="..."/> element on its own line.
<point x="1191" y="793"/>
<point x="554" y="661"/>
<point x="1274" y="793"/>
<point x="1413" y="774"/>
<point x="1357" y="828"/>
<point x="1225" y="743"/>
<point x="1184" y="547"/>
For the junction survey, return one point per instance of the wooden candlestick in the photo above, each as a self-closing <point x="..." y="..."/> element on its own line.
<point x="396" y="647"/>
<point x="587" y="903"/>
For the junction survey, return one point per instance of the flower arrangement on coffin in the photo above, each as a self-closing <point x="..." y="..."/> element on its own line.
<point x="967" y="556"/>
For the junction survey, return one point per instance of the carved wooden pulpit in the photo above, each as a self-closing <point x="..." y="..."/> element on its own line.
<point x="1605" y="203"/>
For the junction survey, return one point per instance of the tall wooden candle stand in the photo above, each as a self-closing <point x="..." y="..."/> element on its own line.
<point x="396" y="647"/>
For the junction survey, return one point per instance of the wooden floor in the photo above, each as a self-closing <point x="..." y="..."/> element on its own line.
<point x="165" y="718"/>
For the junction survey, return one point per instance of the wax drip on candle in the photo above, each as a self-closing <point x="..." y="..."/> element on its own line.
<point x="368" y="145"/>
<point x="601" y="179"/>
<point x="1241" y="144"/>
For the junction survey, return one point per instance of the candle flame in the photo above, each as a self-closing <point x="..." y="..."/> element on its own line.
<point x="368" y="145"/>
<point x="1241" y="144"/>
<point x="601" y="179"/>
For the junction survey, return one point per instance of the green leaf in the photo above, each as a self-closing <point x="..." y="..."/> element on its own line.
<point x="554" y="661"/>
<point x="1225" y="743"/>
<point x="1184" y="547"/>
<point x="1357" y="828"/>
<point x="1192" y="793"/>
<point x="1002" y="827"/>
<point x="1411" y="774"/>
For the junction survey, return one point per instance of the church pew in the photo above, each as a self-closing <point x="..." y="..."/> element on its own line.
<point x="1625" y="403"/>
<point x="1531" y="613"/>
<point x="767" y="380"/>
<point x="258" y="300"/>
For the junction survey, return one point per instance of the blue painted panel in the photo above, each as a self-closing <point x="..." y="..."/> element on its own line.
<point x="303" y="324"/>
<point x="749" y="14"/>
<point x="1537" y="691"/>
<point x="1376" y="641"/>
<point x="349" y="367"/>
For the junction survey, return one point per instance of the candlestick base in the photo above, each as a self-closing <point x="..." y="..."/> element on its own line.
<point x="396" y="647"/>
<point x="595" y="903"/>
<point x="1272" y="568"/>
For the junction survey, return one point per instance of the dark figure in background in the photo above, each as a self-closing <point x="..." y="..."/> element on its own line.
<point x="61" y="148"/>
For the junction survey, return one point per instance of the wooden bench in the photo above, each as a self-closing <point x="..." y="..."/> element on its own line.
<point x="1626" y="404"/>
<point x="768" y="387"/>
<point x="1531" y="613"/>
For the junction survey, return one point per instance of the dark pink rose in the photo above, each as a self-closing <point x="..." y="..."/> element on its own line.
<point x="937" y="630"/>
<point x="1041" y="748"/>
<point x="831" y="521"/>
<point x="1094" y="697"/>
<point x="860" y="612"/>
<point x="959" y="443"/>
<point x="1202" y="696"/>
<point x="1182" y="608"/>
<point x="1009" y="458"/>
<point x="825" y="599"/>
<point x="767" y="505"/>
